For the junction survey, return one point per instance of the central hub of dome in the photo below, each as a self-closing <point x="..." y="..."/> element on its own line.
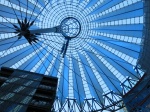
<point x="70" y="27"/>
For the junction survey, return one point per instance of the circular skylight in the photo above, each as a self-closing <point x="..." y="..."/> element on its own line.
<point x="70" y="27"/>
<point x="95" y="60"/>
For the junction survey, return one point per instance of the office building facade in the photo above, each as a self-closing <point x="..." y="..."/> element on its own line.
<point x="22" y="91"/>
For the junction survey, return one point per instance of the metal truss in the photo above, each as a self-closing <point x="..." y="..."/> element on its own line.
<point x="128" y="84"/>
<point x="111" y="103"/>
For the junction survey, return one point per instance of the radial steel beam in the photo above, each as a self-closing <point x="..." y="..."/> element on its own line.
<point x="46" y="30"/>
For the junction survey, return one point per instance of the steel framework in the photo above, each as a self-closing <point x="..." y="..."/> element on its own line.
<point x="96" y="67"/>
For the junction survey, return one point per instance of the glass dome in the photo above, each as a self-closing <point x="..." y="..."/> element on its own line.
<point x="94" y="56"/>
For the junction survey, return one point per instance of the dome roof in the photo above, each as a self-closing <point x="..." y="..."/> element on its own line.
<point x="93" y="56"/>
